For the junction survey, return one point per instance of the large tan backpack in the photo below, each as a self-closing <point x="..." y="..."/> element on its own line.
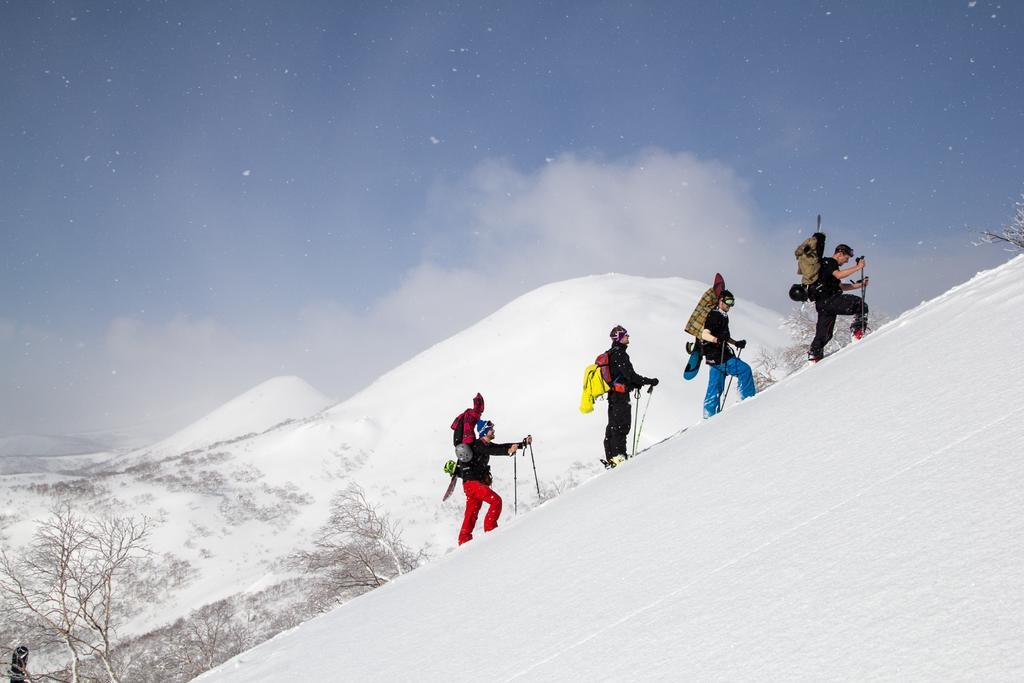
<point x="808" y="258"/>
<point x="808" y="263"/>
<point x="707" y="302"/>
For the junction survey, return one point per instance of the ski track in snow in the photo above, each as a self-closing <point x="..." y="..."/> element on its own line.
<point x="769" y="543"/>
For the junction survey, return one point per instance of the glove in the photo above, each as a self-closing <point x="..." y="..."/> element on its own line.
<point x="653" y="382"/>
<point x="741" y="344"/>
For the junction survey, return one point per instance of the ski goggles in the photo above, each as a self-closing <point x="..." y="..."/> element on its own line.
<point x="729" y="302"/>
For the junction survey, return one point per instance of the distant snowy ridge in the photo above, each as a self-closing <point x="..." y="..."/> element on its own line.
<point x="266" y="405"/>
<point x="43" y="445"/>
<point x="45" y="453"/>
<point x="862" y="519"/>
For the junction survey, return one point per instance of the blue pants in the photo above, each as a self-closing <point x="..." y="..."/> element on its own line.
<point x="716" y="383"/>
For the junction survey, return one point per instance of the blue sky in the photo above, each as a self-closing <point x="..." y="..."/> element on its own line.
<point x="200" y="195"/>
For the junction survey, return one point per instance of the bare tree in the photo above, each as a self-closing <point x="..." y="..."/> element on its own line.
<point x="1012" y="234"/>
<point x="209" y="632"/>
<point x="766" y="364"/>
<point x="68" y="582"/>
<point x="358" y="549"/>
<point x="214" y="633"/>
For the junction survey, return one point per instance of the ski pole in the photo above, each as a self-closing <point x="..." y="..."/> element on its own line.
<point x="721" y="364"/>
<point x="535" y="479"/>
<point x="636" y="438"/>
<point x="515" y="485"/>
<point x="863" y="299"/>
<point x="636" y="418"/>
<point x="721" y="403"/>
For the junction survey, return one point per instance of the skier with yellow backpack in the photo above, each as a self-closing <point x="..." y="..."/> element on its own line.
<point x="612" y="374"/>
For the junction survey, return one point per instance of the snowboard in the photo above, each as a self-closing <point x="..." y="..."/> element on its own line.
<point x="451" y="488"/>
<point x="693" y="364"/>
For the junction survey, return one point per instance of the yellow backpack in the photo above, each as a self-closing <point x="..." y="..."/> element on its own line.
<point x="594" y="387"/>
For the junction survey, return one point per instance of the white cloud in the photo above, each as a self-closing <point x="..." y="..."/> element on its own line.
<point x="613" y="216"/>
<point x="655" y="214"/>
<point x="498" y="233"/>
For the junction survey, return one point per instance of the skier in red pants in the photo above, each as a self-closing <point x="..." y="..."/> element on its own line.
<point x="476" y="479"/>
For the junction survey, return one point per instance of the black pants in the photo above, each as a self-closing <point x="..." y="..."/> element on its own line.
<point x="620" y="414"/>
<point x="840" y="304"/>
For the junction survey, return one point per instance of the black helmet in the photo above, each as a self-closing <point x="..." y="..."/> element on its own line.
<point x="21" y="651"/>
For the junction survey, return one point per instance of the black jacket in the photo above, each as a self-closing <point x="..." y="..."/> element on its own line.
<point x="622" y="369"/>
<point x="479" y="467"/>
<point x="717" y="323"/>
<point x="828" y="285"/>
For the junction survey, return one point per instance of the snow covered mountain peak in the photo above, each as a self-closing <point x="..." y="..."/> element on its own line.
<point x="268" y="404"/>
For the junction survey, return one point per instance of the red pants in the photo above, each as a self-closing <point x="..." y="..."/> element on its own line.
<point x="478" y="493"/>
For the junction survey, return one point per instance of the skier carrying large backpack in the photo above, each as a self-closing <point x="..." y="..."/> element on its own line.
<point x="622" y="379"/>
<point x="695" y="325"/>
<point x="831" y="301"/>
<point x="477" y="479"/>
<point x="719" y="357"/>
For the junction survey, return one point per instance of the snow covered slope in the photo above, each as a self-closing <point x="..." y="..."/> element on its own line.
<point x="237" y="491"/>
<point x="862" y="519"/>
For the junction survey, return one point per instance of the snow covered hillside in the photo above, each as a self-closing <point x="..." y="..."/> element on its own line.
<point x="263" y="407"/>
<point x="238" y="491"/>
<point x="862" y="519"/>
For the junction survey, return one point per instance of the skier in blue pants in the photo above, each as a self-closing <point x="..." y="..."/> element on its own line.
<point x="719" y="357"/>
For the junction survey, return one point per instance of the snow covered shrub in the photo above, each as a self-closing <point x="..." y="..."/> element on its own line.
<point x="358" y="549"/>
<point x="1012" y="234"/>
